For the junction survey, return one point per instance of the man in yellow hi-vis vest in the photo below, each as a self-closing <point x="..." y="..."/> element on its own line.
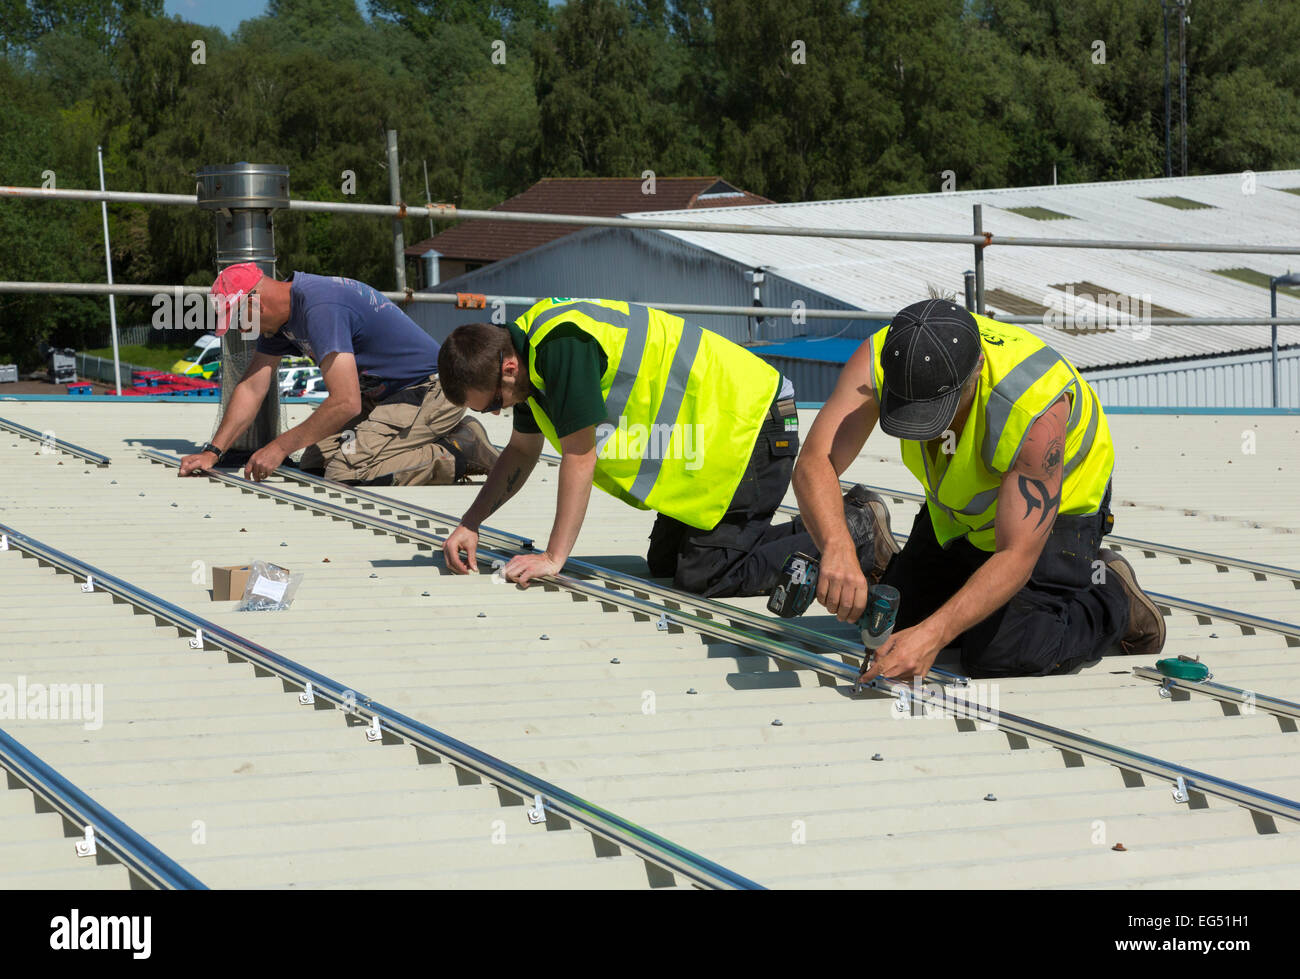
<point x="656" y="412"/>
<point x="1015" y="456"/>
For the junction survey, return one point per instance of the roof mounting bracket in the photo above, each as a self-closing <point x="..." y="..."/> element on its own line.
<point x="1180" y="790"/>
<point x="4" y="542"/>
<point x="904" y="702"/>
<point x="374" y="732"/>
<point x="1166" y="688"/>
<point x="537" y="814"/>
<point x="662" y="624"/>
<point x="307" y="697"/>
<point x="89" y="584"/>
<point x="197" y="641"/>
<point x="86" y="846"/>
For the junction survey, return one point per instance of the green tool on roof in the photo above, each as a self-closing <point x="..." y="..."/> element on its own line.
<point x="1184" y="668"/>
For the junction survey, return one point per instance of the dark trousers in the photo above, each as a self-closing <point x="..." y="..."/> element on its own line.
<point x="744" y="553"/>
<point x="1061" y="619"/>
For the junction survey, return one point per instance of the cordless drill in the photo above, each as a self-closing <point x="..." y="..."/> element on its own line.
<point x="797" y="587"/>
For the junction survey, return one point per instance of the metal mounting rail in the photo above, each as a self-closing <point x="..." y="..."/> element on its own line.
<point x="1183" y="779"/>
<point x="944" y="697"/>
<point x="1183" y="553"/>
<point x="667" y="616"/>
<point x="600" y="822"/>
<point x="127" y="846"/>
<point x="97" y="458"/>
<point x="1244" y="619"/>
<point x="1221" y="691"/>
<point x="784" y="629"/>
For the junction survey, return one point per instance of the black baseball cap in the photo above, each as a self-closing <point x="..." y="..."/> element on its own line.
<point x="929" y="353"/>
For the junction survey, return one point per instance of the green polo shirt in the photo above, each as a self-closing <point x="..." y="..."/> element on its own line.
<point x="571" y="363"/>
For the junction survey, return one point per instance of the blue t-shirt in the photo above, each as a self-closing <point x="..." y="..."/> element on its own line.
<point x="330" y="314"/>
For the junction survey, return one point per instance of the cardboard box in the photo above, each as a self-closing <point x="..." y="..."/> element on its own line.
<point x="228" y="583"/>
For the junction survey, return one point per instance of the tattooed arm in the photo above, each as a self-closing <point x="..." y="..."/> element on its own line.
<point x="507" y="477"/>
<point x="1028" y="501"/>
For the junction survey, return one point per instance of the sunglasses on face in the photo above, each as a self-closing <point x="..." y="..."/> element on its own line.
<point x="501" y="377"/>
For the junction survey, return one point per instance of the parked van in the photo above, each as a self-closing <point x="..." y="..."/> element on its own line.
<point x="201" y="360"/>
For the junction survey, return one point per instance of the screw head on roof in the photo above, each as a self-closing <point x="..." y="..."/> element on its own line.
<point x="615" y="660"/>
<point x="877" y="757"/>
<point x="482" y="615"/>
<point x="1120" y="847"/>
<point x="990" y="798"/>
<point x="112" y="482"/>
<point x="776" y="722"/>
<point x="142" y="494"/>
<point x="207" y="516"/>
<point x="543" y="636"/>
<point x="691" y="690"/>
<point x="372" y="574"/>
<point x="424" y="594"/>
<point x="175" y="504"/>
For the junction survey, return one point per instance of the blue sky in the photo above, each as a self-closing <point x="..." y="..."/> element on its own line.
<point x="225" y="14"/>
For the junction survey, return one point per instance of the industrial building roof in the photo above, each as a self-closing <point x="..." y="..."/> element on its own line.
<point x="1257" y="209"/>
<point x="223" y="770"/>
<point x="489" y="241"/>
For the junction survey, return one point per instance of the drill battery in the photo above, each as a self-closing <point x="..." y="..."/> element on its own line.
<point x="796" y="587"/>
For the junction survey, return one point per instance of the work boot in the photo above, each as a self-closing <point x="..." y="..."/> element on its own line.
<point x="1146" y="626"/>
<point x="469" y="443"/>
<point x="868" y="520"/>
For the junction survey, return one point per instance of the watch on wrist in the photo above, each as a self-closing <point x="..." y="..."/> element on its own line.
<point x="209" y="447"/>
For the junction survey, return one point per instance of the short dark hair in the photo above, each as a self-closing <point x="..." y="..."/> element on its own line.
<point x="471" y="358"/>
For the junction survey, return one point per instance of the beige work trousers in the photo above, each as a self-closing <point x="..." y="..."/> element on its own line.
<point x="392" y="437"/>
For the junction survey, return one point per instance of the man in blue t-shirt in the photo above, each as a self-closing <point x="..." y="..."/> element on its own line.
<point x="385" y="421"/>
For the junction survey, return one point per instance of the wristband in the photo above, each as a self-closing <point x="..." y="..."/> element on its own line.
<point x="209" y="447"/>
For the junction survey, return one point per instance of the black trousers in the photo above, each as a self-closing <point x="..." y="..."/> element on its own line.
<point x="744" y="553"/>
<point x="1066" y="615"/>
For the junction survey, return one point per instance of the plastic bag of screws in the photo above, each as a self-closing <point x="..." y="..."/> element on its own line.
<point x="270" y="588"/>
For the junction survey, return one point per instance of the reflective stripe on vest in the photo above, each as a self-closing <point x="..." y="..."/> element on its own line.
<point x="1022" y="377"/>
<point x="667" y="397"/>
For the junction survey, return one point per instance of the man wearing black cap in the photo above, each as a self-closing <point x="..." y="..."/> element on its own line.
<point x="1013" y="451"/>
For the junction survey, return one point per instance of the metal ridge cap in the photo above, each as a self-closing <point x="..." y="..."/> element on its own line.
<point x="601" y="822"/>
<point x="131" y="849"/>
<point x="97" y="458"/>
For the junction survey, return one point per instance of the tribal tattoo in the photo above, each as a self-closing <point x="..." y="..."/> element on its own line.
<point x="1038" y="496"/>
<point x="1052" y="457"/>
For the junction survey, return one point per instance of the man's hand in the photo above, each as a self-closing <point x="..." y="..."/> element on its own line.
<point x="461" y="539"/>
<point x="841" y="585"/>
<point x="906" y="654"/>
<point x="264" y="461"/>
<point x="523" y="568"/>
<point x="197" y="463"/>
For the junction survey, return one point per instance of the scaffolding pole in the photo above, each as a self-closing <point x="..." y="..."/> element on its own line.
<point x="471" y="301"/>
<point x="449" y="212"/>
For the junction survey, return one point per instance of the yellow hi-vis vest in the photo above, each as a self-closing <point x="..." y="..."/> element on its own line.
<point x="683" y="405"/>
<point x="1021" y="378"/>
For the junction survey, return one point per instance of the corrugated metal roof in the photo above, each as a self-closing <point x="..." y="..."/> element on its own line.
<point x="607" y="197"/>
<point x="799" y="804"/>
<point x="888" y="275"/>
